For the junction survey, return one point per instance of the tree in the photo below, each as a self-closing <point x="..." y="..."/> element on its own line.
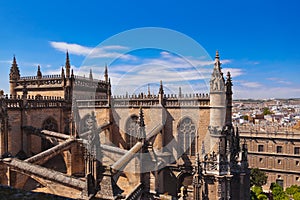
<point x="278" y="193"/>
<point x="292" y="189"/>
<point x="296" y="196"/>
<point x="257" y="193"/>
<point x="258" y="177"/>
<point x="266" y="111"/>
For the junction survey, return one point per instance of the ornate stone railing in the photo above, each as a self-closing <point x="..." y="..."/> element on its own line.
<point x="88" y="79"/>
<point x="54" y="76"/>
<point x="51" y="80"/>
<point x="135" y="102"/>
<point x="14" y="103"/>
<point x="32" y="101"/>
<point x="92" y="103"/>
<point x="166" y="96"/>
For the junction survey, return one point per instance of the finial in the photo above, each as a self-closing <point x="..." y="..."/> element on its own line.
<point x="91" y="74"/>
<point x="161" y="89"/>
<point x="39" y="73"/>
<point x="14" y="70"/>
<point x="228" y="75"/>
<point x="14" y="60"/>
<point x="72" y="74"/>
<point x="62" y="72"/>
<point x="228" y="82"/>
<point x="105" y="73"/>
<point x="179" y="94"/>
<point x="217" y="54"/>
<point x="217" y="62"/>
<point x="67" y="65"/>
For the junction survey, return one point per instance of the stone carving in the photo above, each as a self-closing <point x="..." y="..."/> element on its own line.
<point x="217" y="83"/>
<point x="213" y="130"/>
<point x="211" y="161"/>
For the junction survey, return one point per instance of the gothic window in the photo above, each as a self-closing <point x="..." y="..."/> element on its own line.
<point x="132" y="128"/>
<point x="186" y="136"/>
<point x="49" y="124"/>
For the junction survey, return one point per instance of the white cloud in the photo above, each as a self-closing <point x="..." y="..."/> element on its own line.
<point x="249" y="84"/>
<point x="233" y="71"/>
<point x="266" y="92"/>
<point x="72" y="48"/>
<point x="6" y="61"/>
<point x="97" y="52"/>
<point x="279" y="80"/>
<point x="188" y="72"/>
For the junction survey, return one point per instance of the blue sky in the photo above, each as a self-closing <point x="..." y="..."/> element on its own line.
<point x="258" y="40"/>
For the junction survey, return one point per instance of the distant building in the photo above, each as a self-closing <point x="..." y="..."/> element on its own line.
<point x="274" y="150"/>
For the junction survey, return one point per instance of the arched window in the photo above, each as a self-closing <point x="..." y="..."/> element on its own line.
<point x="49" y="124"/>
<point x="186" y="136"/>
<point x="132" y="128"/>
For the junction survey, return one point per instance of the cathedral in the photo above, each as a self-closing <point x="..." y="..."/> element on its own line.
<point x="68" y="135"/>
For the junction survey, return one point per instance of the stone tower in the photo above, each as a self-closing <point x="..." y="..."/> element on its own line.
<point x="217" y="98"/>
<point x="224" y="169"/>
<point x="14" y="76"/>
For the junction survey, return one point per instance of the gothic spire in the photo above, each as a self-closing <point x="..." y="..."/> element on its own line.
<point x="62" y="72"/>
<point x="161" y="88"/>
<point x="109" y="88"/>
<point x="217" y="61"/>
<point x="91" y="74"/>
<point x="106" y="74"/>
<point x="228" y="83"/>
<point x="179" y="93"/>
<point x="67" y="65"/>
<point x="14" y="70"/>
<point x="39" y="73"/>
<point x="217" y="82"/>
